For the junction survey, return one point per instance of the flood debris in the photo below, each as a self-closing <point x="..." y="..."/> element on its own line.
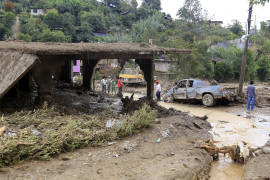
<point x="45" y="133"/>
<point x="237" y="154"/>
<point x="112" y="123"/>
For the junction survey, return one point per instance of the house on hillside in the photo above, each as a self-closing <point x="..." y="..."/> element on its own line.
<point x="36" y="12"/>
<point x="216" y="23"/>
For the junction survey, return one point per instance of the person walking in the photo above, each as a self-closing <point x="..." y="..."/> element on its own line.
<point x="251" y="93"/>
<point x="120" y="86"/>
<point x="158" y="90"/>
<point x="104" y="84"/>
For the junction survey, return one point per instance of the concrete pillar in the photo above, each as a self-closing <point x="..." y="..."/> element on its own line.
<point x="67" y="71"/>
<point x="147" y="66"/>
<point x="88" y="70"/>
<point x="43" y="77"/>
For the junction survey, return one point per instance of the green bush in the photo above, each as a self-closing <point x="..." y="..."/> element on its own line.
<point x="140" y="119"/>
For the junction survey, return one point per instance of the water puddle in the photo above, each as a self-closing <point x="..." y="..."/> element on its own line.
<point x="225" y="169"/>
<point x="229" y="129"/>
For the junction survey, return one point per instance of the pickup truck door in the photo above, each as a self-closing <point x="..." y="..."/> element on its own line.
<point x="191" y="89"/>
<point x="180" y="91"/>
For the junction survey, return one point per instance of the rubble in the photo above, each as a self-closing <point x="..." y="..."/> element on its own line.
<point x="237" y="154"/>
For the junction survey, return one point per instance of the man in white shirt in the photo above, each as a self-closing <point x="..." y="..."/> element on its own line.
<point x="104" y="84"/>
<point x="158" y="90"/>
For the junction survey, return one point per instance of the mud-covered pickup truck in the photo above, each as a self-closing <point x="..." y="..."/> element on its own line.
<point x="198" y="90"/>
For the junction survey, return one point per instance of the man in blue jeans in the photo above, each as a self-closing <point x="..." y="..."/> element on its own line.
<point x="251" y="93"/>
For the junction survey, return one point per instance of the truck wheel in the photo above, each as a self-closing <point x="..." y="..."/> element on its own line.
<point x="208" y="100"/>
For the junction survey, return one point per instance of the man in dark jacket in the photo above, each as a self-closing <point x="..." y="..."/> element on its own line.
<point x="251" y="93"/>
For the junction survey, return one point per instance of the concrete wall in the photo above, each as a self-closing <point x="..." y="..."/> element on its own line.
<point x="164" y="65"/>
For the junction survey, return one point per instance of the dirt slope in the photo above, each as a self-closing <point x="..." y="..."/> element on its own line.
<point x="139" y="157"/>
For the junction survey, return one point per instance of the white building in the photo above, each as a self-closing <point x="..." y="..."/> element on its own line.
<point x="36" y="12"/>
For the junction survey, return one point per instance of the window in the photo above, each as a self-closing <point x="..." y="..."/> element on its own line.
<point x="182" y="84"/>
<point x="190" y="83"/>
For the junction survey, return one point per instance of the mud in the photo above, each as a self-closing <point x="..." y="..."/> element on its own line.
<point x="258" y="168"/>
<point x="231" y="125"/>
<point x="132" y="104"/>
<point x="67" y="99"/>
<point x="139" y="157"/>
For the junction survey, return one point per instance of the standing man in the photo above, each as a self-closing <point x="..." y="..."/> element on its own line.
<point x="158" y="90"/>
<point x="104" y="83"/>
<point x="251" y="93"/>
<point x="120" y="86"/>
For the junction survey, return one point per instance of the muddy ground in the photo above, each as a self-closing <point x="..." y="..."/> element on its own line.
<point x="139" y="157"/>
<point x="258" y="168"/>
<point x="142" y="156"/>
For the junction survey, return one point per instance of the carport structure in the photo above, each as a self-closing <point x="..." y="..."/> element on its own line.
<point x="41" y="61"/>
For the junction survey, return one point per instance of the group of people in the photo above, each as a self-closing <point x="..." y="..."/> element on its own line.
<point x="109" y="85"/>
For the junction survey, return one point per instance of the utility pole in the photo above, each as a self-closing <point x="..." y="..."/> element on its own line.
<point x="244" y="57"/>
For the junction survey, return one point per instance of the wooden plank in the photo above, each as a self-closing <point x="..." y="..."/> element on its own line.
<point x="14" y="65"/>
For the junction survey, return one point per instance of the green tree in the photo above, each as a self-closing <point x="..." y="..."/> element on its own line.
<point x="237" y="28"/>
<point x="24" y="37"/>
<point x="53" y="36"/>
<point x="95" y="19"/>
<point x="84" y="33"/>
<point x="72" y="6"/>
<point x="4" y="31"/>
<point x="191" y="11"/>
<point x="134" y="4"/>
<point x="152" y="4"/>
<point x="52" y="19"/>
<point x="263" y="68"/>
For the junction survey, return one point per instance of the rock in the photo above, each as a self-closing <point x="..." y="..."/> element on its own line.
<point x="157" y="122"/>
<point x="228" y="129"/>
<point x="35" y="132"/>
<point x="165" y="133"/>
<point x="111" y="123"/>
<point x="266" y="150"/>
<point x="128" y="147"/>
<point x="258" y="152"/>
<point x="197" y="144"/>
<point x="65" y="158"/>
<point x="111" y="143"/>
<point x="116" y="155"/>
<point x="204" y="118"/>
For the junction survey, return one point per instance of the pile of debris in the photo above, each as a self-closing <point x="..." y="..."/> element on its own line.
<point x="130" y="105"/>
<point x="237" y="154"/>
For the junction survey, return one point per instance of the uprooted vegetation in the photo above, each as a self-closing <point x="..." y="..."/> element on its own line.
<point x="44" y="133"/>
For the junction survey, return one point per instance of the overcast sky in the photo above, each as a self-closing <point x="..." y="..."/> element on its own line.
<point x="222" y="10"/>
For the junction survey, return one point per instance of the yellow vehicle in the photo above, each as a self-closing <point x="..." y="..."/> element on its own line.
<point x="132" y="76"/>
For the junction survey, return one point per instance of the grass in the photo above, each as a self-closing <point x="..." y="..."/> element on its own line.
<point x="62" y="133"/>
